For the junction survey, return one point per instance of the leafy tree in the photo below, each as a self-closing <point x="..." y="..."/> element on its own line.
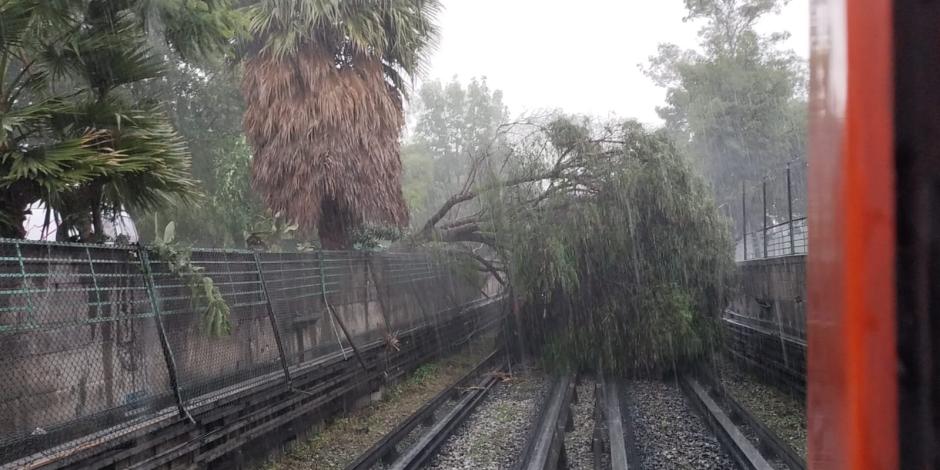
<point x="323" y="85"/>
<point x="204" y="103"/>
<point x="453" y="125"/>
<point x="73" y="135"/>
<point x="737" y="108"/>
<point x="610" y="240"/>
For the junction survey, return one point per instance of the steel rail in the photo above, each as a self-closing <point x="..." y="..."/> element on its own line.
<point x="429" y="442"/>
<point x="545" y="449"/>
<point x="613" y="410"/>
<point x="386" y="449"/>
<point x="768" y="439"/>
<point x="742" y="451"/>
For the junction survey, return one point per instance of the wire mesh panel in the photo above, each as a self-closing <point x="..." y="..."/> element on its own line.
<point x="300" y="284"/>
<point x="207" y="362"/>
<point x="405" y="275"/>
<point x="293" y="281"/>
<point x="79" y="351"/>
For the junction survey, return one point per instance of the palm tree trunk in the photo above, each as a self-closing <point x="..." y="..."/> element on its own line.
<point x="334" y="228"/>
<point x="14" y="202"/>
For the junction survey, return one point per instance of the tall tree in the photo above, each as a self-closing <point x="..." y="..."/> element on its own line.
<point x="74" y="137"/>
<point x="737" y="107"/>
<point x="454" y="124"/>
<point x="323" y="85"/>
<point x="205" y="104"/>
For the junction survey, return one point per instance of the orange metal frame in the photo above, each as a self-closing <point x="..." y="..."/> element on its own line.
<point x="852" y="393"/>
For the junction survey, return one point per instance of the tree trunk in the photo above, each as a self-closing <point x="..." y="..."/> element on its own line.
<point x="334" y="228"/>
<point x="14" y="214"/>
<point x="14" y="202"/>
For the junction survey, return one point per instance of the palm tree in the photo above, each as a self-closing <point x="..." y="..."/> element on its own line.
<point x="324" y="82"/>
<point x="72" y="136"/>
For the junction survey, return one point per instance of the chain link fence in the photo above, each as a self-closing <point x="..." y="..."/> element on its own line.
<point x="95" y="338"/>
<point x="769" y="217"/>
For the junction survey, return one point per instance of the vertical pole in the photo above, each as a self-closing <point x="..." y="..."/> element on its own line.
<point x="790" y="210"/>
<point x="764" y="198"/>
<point x="164" y="342"/>
<point x="339" y="320"/>
<point x="744" y="218"/>
<point x="26" y="288"/>
<point x="273" y="318"/>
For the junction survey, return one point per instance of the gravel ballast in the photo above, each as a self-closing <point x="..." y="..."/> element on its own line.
<point x="669" y="434"/>
<point x="495" y="433"/>
<point x="340" y="442"/>
<point x="578" y="442"/>
<point x="784" y="415"/>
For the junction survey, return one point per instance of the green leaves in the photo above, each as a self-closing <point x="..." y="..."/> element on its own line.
<point x="205" y="297"/>
<point x="203" y="29"/>
<point x="398" y="32"/>
<point x="71" y="134"/>
<point x="624" y="270"/>
<point x="738" y="108"/>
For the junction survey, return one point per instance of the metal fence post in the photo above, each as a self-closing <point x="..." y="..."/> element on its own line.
<point x="744" y="217"/>
<point x="339" y="320"/>
<point x="764" y="198"/>
<point x="790" y="211"/>
<point x="164" y="341"/>
<point x="273" y="318"/>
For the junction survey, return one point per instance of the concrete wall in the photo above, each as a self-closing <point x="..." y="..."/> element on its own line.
<point x="80" y="349"/>
<point x="773" y="293"/>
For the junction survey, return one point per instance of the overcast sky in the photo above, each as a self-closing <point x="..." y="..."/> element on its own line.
<point x="581" y="56"/>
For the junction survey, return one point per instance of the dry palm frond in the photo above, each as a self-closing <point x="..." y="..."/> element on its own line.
<point x="324" y="84"/>
<point x="392" y="342"/>
<point x="325" y="137"/>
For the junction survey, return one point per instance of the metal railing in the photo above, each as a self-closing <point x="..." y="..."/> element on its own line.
<point x="94" y="336"/>
<point x="769" y="218"/>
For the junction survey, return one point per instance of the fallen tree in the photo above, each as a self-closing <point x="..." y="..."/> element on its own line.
<point x="611" y="243"/>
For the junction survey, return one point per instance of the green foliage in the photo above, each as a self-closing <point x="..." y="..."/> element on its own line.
<point x="397" y="32"/>
<point x="739" y="108"/>
<point x="74" y="136"/>
<point x="627" y="270"/>
<point x="454" y="125"/>
<point x="375" y="237"/>
<point x="206" y="106"/>
<point x="204" y="295"/>
<point x="424" y="373"/>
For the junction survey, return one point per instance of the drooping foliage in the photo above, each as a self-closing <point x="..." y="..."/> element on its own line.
<point x="323" y="85"/>
<point x="74" y="137"/>
<point x="615" y="246"/>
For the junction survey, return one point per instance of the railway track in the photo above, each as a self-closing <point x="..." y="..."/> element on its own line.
<point x="545" y="448"/>
<point x="389" y="452"/>
<point x="727" y="434"/>
<point x="615" y="442"/>
<point x="767" y="442"/>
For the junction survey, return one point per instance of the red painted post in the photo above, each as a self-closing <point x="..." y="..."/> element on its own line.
<point x="852" y="366"/>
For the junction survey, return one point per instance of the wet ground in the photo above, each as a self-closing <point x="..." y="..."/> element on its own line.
<point x="495" y="434"/>
<point x="340" y="442"/>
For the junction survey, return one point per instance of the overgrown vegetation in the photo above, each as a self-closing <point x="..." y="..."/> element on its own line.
<point x="205" y="298"/>
<point x="613" y="243"/>
<point x="73" y="136"/>
<point x="603" y="229"/>
<point x="324" y="84"/>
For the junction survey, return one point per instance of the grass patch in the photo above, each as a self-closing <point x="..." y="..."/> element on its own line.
<point x="340" y="442"/>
